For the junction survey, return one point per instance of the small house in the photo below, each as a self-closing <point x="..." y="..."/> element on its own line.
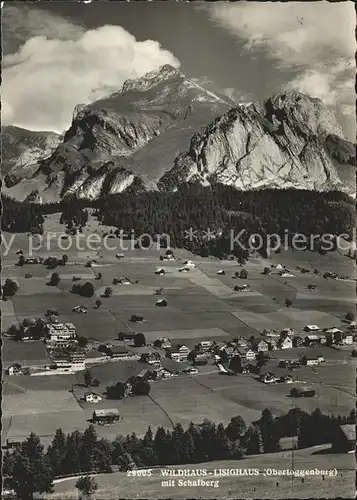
<point x="90" y="397"/>
<point x="311" y="361"/>
<point x="106" y="416"/>
<point x="298" y="341"/>
<point x="135" y="318"/>
<point x="163" y="343"/>
<point x="120" y="352"/>
<point x="250" y="355"/>
<point x="311" y="328"/>
<point x="227" y="351"/>
<point x="268" y="378"/>
<point x="221" y="272"/>
<point x="353" y="325"/>
<point x="11" y="444"/>
<point x="168" y="257"/>
<point x="123" y="280"/>
<point x="14" y="369"/>
<point x="161" y="303"/>
<point x="287" y="331"/>
<point x="286" y="343"/>
<point x="182" y="349"/>
<point x="260" y="345"/>
<point x="347" y="339"/>
<point x="302" y="392"/>
<point x="178" y="353"/>
<point x="160" y="271"/>
<point x="204" y="345"/>
<point x="332" y="331"/>
<point x="184" y="269"/>
<point x="311" y="340"/>
<point x="126" y="336"/>
<point x="200" y="359"/>
<point x="80" y="309"/>
<point x="271" y="333"/>
<point x="243" y="288"/>
<point x="287" y="379"/>
<point x="273" y="344"/>
<point x="241" y="353"/>
<point x="242" y="342"/>
<point x="189" y="263"/>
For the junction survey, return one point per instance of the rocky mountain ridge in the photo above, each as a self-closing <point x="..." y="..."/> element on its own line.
<point x="164" y="129"/>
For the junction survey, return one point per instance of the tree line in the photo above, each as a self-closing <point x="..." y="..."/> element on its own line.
<point x="219" y="208"/>
<point x="29" y="468"/>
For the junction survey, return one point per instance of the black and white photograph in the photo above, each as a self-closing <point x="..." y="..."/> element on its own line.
<point x="178" y="248"/>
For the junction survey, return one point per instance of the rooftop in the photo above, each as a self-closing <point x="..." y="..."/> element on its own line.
<point x="106" y="413"/>
<point x="349" y="431"/>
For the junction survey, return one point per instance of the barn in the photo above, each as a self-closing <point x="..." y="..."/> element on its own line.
<point x="107" y="416"/>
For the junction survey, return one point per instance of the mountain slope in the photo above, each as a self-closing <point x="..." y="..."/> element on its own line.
<point x="95" y="155"/>
<point x="164" y="129"/>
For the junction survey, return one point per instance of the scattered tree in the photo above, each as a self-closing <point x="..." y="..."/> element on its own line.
<point x="116" y="391"/>
<point x="21" y="261"/>
<point x="236" y="428"/>
<point x="87" y="378"/>
<point x="82" y="341"/>
<point x="139" y="340"/>
<point x="141" y="387"/>
<point x="98" y="303"/>
<point x="10" y="288"/>
<point x="350" y="316"/>
<point x="55" y="279"/>
<point x="86" y="485"/>
<point x="243" y="274"/>
<point x="29" y="470"/>
<point x="261" y="359"/>
<point x="85" y="290"/>
<point x="236" y="364"/>
<point x="108" y="292"/>
<point x="288" y="302"/>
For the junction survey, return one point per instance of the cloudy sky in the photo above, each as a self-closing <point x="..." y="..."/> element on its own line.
<point x="58" y="54"/>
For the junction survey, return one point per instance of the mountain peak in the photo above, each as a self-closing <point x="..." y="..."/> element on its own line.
<point x="151" y="78"/>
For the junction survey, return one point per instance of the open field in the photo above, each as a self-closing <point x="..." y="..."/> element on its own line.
<point x="257" y="486"/>
<point x="25" y="353"/>
<point x="201" y="305"/>
<point x="290" y="317"/>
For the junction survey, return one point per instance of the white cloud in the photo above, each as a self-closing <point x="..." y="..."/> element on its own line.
<point x="314" y="41"/>
<point x="47" y="77"/>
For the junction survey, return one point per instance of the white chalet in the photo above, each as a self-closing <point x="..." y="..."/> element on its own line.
<point x="61" y="331"/>
<point x="90" y="397"/>
<point x="347" y="339"/>
<point x="286" y="343"/>
<point x="311" y="328"/>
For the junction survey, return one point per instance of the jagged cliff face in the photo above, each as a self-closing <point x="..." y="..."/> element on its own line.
<point x="163" y="129"/>
<point x="102" y="151"/>
<point x="283" y="142"/>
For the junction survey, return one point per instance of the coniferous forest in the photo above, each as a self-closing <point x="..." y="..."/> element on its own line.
<point x="220" y="209"/>
<point x="30" y="468"/>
